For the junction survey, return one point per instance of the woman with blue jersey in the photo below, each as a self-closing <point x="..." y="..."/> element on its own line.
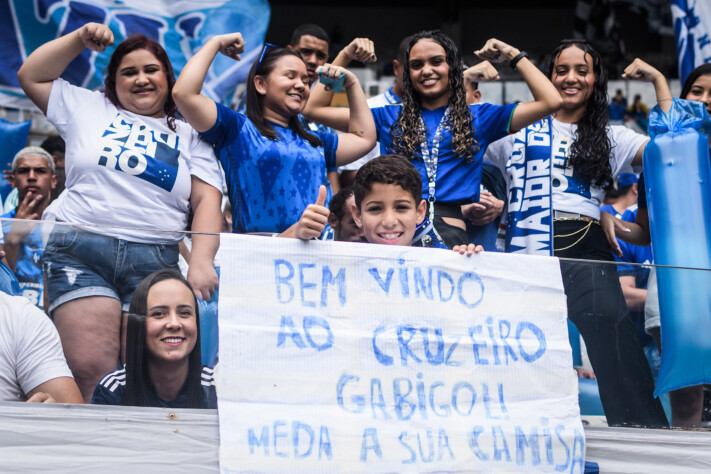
<point x="163" y="364"/>
<point x="274" y="168"/>
<point x="436" y="129"/>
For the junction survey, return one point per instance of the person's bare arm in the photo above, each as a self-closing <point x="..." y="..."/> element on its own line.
<point x="334" y="179"/>
<point x="361" y="49"/>
<point x="546" y="98"/>
<point x="207" y="217"/>
<point x="49" y="61"/>
<point x="361" y="136"/>
<point x="482" y="72"/>
<point x="635" y="233"/>
<point x="641" y="71"/>
<point x="200" y="111"/>
<point x="634" y="296"/>
<point x="59" y="390"/>
<point x="318" y="109"/>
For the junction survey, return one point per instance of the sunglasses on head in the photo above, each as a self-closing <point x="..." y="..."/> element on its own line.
<point x="264" y="52"/>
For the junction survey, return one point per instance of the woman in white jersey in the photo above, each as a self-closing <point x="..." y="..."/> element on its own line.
<point x="129" y="164"/>
<point x="559" y="169"/>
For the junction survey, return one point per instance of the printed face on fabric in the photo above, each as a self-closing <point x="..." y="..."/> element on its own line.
<point x="701" y="91"/>
<point x="389" y="215"/>
<point x="314" y="52"/>
<point x="141" y="84"/>
<point x="171" y="324"/>
<point x="285" y="89"/>
<point x="429" y="71"/>
<point x="574" y="78"/>
<point x="33" y="177"/>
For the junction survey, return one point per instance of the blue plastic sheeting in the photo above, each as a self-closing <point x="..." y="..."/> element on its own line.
<point x="677" y="172"/>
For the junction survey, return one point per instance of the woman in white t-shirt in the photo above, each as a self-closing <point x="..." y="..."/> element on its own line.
<point x="131" y="165"/>
<point x="558" y="170"/>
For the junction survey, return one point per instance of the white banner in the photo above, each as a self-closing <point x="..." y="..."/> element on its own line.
<point x="342" y="357"/>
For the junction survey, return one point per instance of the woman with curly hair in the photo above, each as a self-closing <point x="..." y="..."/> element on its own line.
<point x="559" y="169"/>
<point x="436" y="129"/>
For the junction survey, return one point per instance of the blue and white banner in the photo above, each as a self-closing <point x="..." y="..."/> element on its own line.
<point x="349" y="357"/>
<point x="530" y="218"/>
<point x="692" y="22"/>
<point x="181" y="27"/>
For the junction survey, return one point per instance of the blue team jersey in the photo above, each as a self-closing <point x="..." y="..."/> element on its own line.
<point x="609" y="208"/>
<point x="28" y="268"/>
<point x="458" y="179"/>
<point x="269" y="182"/>
<point x="111" y="390"/>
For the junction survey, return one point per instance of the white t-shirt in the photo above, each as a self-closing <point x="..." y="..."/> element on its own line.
<point x="572" y="194"/>
<point x="30" y="349"/>
<point x="125" y="169"/>
<point x="379" y="100"/>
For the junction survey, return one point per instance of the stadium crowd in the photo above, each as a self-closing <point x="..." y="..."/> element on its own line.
<point x="427" y="163"/>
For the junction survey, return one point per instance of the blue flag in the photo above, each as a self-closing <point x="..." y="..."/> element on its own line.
<point x="13" y="136"/>
<point x="180" y="27"/>
<point x="692" y="21"/>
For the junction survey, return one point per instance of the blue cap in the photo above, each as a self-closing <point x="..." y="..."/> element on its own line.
<point x="625" y="180"/>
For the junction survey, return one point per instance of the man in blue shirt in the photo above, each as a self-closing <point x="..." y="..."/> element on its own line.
<point x="33" y="174"/>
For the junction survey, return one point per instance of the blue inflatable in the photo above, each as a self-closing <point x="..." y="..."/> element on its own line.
<point x="677" y="173"/>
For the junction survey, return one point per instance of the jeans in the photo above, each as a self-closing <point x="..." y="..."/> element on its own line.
<point x="80" y="264"/>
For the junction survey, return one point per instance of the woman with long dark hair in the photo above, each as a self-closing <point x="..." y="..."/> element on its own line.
<point x="163" y="364"/>
<point x="435" y="128"/>
<point x="132" y="170"/>
<point x="275" y="170"/>
<point x="559" y="170"/>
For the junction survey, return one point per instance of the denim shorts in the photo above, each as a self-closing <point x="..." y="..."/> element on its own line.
<point x="79" y="264"/>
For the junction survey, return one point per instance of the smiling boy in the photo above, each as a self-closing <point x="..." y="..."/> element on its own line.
<point x="388" y="202"/>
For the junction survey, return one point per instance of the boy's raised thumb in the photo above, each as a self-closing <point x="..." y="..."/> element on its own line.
<point x="321" y="199"/>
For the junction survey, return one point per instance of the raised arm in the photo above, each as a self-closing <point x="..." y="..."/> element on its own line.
<point x="360" y="138"/>
<point x="318" y="109"/>
<point x="49" y="61"/>
<point x="546" y="99"/>
<point x="198" y="110"/>
<point x="641" y="71"/>
<point x="482" y="72"/>
<point x="361" y="49"/>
